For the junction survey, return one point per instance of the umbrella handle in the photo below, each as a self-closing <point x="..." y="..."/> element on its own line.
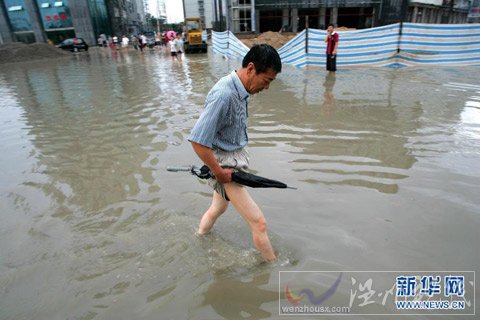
<point x="192" y="169"/>
<point x="180" y="168"/>
<point x="198" y="172"/>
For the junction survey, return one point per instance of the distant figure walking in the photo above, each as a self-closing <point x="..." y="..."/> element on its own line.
<point x="103" y="39"/>
<point x="173" y="50"/>
<point x="143" y="41"/>
<point x="115" y="41"/>
<point x="110" y="42"/>
<point x="179" y="46"/>
<point x="125" y="42"/>
<point x="135" y="42"/>
<point x="332" y="43"/>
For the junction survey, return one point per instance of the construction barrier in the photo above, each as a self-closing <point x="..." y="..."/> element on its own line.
<point x="396" y="45"/>
<point x="228" y="45"/>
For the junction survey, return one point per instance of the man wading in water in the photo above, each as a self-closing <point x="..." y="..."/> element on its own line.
<point x="220" y="136"/>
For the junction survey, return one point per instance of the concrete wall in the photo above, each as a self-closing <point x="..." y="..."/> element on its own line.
<point x="192" y="10"/>
<point x="432" y="2"/>
<point x="37" y="25"/>
<point x="5" y="31"/>
<point x="81" y="21"/>
<point x="209" y="14"/>
<point x="136" y="18"/>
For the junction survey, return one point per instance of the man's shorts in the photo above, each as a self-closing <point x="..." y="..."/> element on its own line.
<point x="237" y="160"/>
<point x="331" y="62"/>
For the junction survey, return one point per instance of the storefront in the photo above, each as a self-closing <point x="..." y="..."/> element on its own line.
<point x="56" y="19"/>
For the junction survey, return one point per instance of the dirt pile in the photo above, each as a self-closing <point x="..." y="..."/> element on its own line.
<point x="19" y="52"/>
<point x="275" y="39"/>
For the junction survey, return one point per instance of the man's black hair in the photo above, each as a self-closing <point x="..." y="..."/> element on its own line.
<point x="331" y="24"/>
<point x="263" y="57"/>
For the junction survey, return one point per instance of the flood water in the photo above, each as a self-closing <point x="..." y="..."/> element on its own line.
<point x="92" y="226"/>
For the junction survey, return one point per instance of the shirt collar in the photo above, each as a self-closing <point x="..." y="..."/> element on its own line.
<point x="242" y="92"/>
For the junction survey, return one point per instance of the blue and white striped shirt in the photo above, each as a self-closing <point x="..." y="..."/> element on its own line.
<point x="223" y="123"/>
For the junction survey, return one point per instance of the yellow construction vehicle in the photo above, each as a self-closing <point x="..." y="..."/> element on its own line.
<point x="193" y="36"/>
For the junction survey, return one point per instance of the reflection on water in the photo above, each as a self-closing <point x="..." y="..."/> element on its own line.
<point x="328" y="97"/>
<point x="357" y="139"/>
<point x="245" y="297"/>
<point x="92" y="226"/>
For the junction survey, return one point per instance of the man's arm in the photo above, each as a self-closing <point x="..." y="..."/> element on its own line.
<point x="336" y="45"/>
<point x="206" y="155"/>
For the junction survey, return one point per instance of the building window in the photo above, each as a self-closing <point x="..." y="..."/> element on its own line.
<point x="18" y="16"/>
<point x="55" y="14"/>
<point x="245" y="20"/>
<point x="242" y="19"/>
<point x="242" y="15"/>
<point x="99" y="14"/>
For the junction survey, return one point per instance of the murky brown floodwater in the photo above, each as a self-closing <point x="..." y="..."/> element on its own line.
<point x="92" y="226"/>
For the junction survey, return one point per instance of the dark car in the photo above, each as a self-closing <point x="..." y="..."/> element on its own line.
<point x="151" y="43"/>
<point x="150" y="35"/>
<point x="73" y="44"/>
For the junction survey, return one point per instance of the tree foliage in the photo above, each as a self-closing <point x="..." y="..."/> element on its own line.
<point x="155" y="24"/>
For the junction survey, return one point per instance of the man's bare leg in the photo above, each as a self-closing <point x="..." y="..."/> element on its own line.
<point x="218" y="206"/>
<point x="248" y="209"/>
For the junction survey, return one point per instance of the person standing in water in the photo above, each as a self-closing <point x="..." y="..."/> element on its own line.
<point x="332" y="43"/>
<point x="173" y="49"/>
<point x="219" y="139"/>
<point x="179" y="46"/>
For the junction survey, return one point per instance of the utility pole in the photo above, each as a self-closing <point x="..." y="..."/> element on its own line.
<point x="158" y="16"/>
<point x="452" y="3"/>
<point x="306" y="34"/>
<point x="403" y="16"/>
<point x="220" y="9"/>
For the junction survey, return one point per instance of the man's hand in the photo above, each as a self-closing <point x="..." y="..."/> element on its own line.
<point x="223" y="175"/>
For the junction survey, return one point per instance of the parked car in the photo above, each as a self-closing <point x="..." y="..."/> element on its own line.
<point x="73" y="44"/>
<point x="150" y="35"/>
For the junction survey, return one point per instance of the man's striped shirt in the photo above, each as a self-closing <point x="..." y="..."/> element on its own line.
<point x="223" y="123"/>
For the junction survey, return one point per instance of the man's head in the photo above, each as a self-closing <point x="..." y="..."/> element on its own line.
<point x="260" y="67"/>
<point x="330" y="27"/>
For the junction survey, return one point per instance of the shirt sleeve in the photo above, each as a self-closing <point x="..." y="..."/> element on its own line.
<point x="211" y="120"/>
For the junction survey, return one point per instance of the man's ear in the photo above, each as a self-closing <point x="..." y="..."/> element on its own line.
<point x="251" y="68"/>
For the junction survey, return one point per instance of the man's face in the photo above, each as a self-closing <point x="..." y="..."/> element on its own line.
<point x="330" y="29"/>
<point x="258" y="82"/>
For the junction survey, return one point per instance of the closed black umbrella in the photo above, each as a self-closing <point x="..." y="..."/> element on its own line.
<point x="254" y="181"/>
<point x="240" y="177"/>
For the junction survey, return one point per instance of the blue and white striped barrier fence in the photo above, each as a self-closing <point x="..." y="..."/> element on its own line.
<point x="416" y="45"/>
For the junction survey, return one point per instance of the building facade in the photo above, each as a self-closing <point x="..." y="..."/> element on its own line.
<point x="296" y="15"/>
<point x="474" y="13"/>
<point x="201" y="8"/>
<point x="439" y="11"/>
<point x="126" y="16"/>
<point x="43" y="20"/>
